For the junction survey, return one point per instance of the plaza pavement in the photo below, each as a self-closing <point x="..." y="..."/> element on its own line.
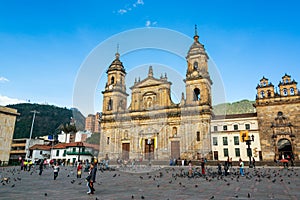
<point x="156" y="182"/>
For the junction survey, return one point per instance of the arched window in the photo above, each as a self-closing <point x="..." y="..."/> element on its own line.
<point x="174" y="132"/>
<point x="195" y="65"/>
<point x="149" y="102"/>
<point x="269" y="93"/>
<point x="196" y="94"/>
<point x="112" y="80"/>
<point x="292" y="91"/>
<point x="262" y="94"/>
<point x="264" y="84"/>
<point x="285" y="93"/>
<point x="110" y="104"/>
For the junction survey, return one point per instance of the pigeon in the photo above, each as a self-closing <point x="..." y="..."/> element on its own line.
<point x="212" y="197"/>
<point x="132" y="197"/>
<point x="46" y="194"/>
<point x="114" y="175"/>
<point x="249" y="195"/>
<point x="13" y="185"/>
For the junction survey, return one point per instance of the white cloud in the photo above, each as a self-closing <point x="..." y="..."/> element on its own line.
<point x="140" y="2"/>
<point x="134" y="5"/>
<point x="148" y="23"/>
<point x="4" y="100"/>
<point x="3" y="79"/>
<point x="122" y="11"/>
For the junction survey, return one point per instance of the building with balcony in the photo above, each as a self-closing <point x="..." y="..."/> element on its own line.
<point x="69" y="153"/>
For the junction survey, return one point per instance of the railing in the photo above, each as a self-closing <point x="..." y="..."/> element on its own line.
<point x="77" y="153"/>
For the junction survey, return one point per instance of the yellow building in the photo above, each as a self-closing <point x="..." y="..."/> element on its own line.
<point x="7" y="127"/>
<point x="153" y="127"/>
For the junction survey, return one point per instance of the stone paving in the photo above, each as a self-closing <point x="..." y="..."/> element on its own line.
<point x="152" y="183"/>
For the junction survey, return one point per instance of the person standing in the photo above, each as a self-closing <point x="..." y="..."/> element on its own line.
<point x="253" y="162"/>
<point x="203" y="166"/>
<point x="241" y="167"/>
<point x="79" y="170"/>
<point x="190" y="169"/>
<point x="56" y="170"/>
<point x="41" y="167"/>
<point x="92" y="179"/>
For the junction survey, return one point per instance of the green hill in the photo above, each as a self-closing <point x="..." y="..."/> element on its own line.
<point x="46" y="121"/>
<point x="239" y="107"/>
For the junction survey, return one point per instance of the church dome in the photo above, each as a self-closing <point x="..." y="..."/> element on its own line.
<point x="116" y="65"/>
<point x="196" y="48"/>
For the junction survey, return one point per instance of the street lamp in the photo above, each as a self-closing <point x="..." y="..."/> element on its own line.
<point x="249" y="151"/>
<point x="31" y="129"/>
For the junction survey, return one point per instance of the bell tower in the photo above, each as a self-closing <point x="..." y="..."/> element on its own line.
<point x="114" y="95"/>
<point x="198" y="82"/>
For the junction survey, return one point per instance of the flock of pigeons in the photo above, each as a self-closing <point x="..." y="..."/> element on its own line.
<point x="179" y="176"/>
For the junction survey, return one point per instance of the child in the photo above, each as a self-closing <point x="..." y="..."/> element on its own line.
<point x="55" y="170"/>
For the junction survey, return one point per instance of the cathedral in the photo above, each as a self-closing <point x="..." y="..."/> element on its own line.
<point x="153" y="127"/>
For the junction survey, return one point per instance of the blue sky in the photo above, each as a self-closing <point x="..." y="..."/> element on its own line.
<point x="44" y="43"/>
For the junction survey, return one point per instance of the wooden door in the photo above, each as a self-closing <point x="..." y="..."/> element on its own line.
<point x="149" y="149"/>
<point x="175" y="149"/>
<point x="125" y="151"/>
<point x="216" y="156"/>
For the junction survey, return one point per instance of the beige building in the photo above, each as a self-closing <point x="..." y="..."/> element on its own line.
<point x="278" y="118"/>
<point x="226" y="140"/>
<point x="153" y="126"/>
<point x="7" y="127"/>
<point x="92" y="123"/>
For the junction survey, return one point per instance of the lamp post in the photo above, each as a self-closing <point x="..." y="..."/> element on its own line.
<point x="249" y="151"/>
<point x="31" y="129"/>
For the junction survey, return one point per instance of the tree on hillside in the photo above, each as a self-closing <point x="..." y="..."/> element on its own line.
<point x="94" y="139"/>
<point x="69" y="129"/>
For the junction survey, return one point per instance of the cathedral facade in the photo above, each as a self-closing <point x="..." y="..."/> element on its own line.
<point x="278" y="118"/>
<point x="153" y="126"/>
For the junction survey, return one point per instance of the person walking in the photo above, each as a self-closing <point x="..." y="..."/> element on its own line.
<point x="41" y="167"/>
<point x="253" y="162"/>
<point x="203" y="166"/>
<point x="79" y="170"/>
<point x="55" y="170"/>
<point x="241" y="167"/>
<point x="92" y="178"/>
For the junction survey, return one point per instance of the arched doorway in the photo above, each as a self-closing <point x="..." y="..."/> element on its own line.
<point x="284" y="148"/>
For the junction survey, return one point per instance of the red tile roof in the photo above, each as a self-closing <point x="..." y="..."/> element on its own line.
<point x="40" y="147"/>
<point x="75" y="144"/>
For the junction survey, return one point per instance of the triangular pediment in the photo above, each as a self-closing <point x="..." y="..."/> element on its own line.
<point x="149" y="82"/>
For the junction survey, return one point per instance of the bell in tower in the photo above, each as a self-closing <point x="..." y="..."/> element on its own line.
<point x="198" y="82"/>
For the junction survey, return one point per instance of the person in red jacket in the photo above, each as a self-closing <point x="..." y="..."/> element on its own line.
<point x="79" y="170"/>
